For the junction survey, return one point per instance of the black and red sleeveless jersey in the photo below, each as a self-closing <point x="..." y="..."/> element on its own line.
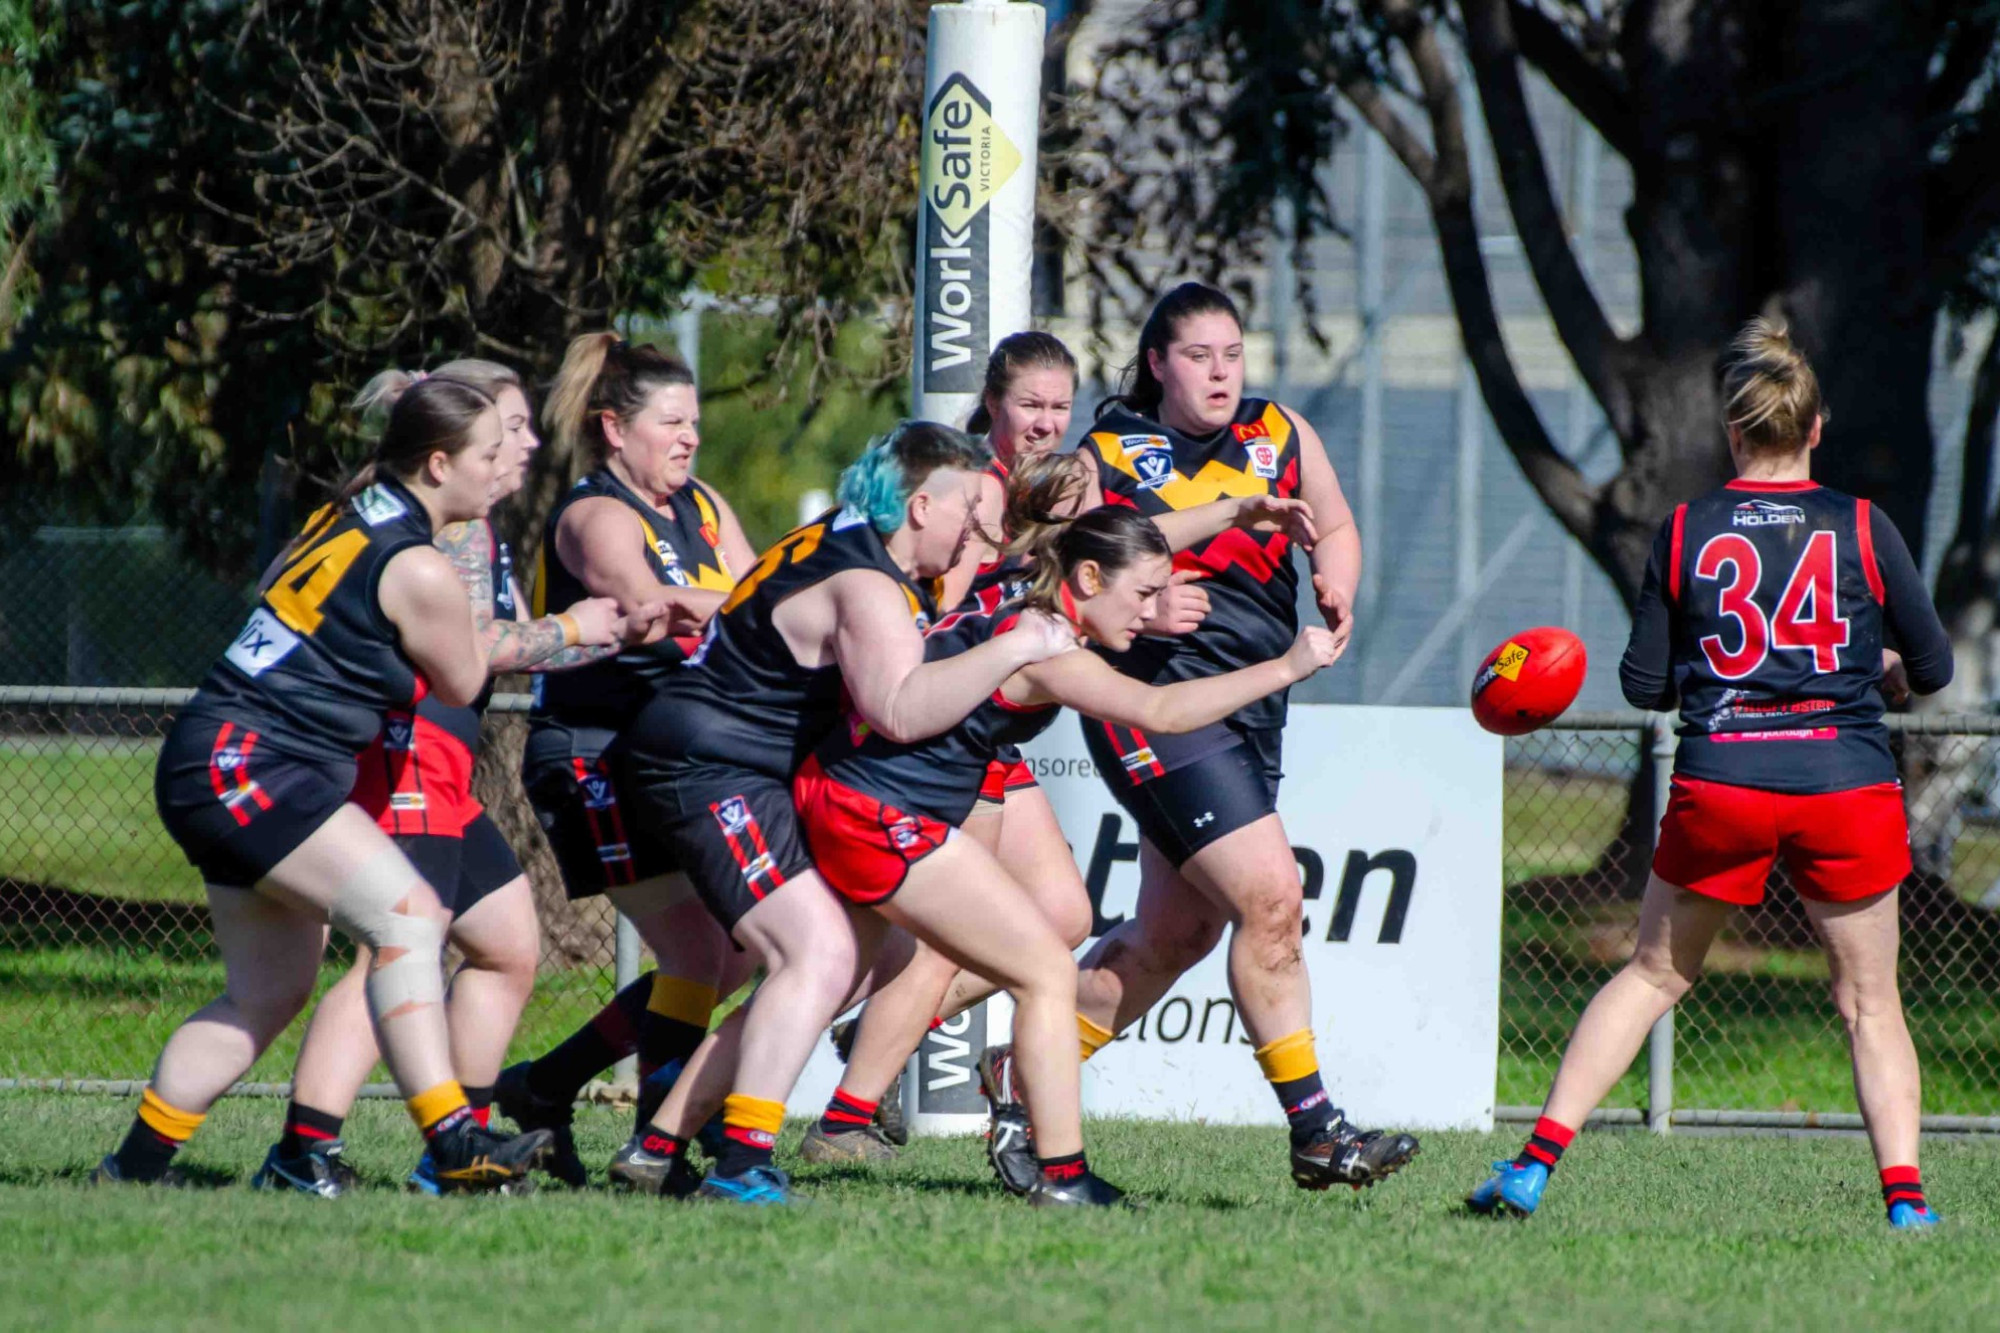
<point x="742" y="699"/>
<point x="1252" y="585"/>
<point x="1764" y="611"/>
<point x="463" y="722"/>
<point x="318" y="663"/>
<point x="683" y="548"/>
<point x="940" y="776"/>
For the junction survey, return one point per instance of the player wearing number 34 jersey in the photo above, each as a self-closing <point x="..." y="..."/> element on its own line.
<point x="1778" y="613"/>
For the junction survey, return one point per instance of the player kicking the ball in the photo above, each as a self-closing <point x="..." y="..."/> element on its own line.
<point x="1764" y="611"/>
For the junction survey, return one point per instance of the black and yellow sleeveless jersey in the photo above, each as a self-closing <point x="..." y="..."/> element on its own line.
<point x="318" y="663"/>
<point x="940" y="776"/>
<point x="683" y="548"/>
<point x="1252" y="585"/>
<point x="743" y="700"/>
<point x="463" y="723"/>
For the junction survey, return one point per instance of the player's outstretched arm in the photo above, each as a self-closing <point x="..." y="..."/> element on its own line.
<point x="1085" y="682"/>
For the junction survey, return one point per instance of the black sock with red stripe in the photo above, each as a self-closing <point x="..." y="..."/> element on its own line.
<point x="305" y="1127"/>
<point x="1545" y="1146"/>
<point x="1062" y="1170"/>
<point x="663" y="1145"/>
<point x="593" y="1048"/>
<point x="846" y="1113"/>
<point x="1308" y="1109"/>
<point x="1903" y="1184"/>
<point x="480" y="1099"/>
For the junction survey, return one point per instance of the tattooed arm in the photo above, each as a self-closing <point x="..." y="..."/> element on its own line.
<point x="542" y="644"/>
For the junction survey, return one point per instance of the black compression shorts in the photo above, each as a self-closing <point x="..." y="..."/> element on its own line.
<point x="1185" y="792"/>
<point x="581" y="808"/>
<point x="466" y="869"/>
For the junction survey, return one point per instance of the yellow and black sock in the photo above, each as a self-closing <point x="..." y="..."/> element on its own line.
<point x="1292" y="1066"/>
<point x="675" y="1021"/>
<point x="1546" y="1144"/>
<point x="1903" y="1184"/>
<point x="439" y="1109"/>
<point x="1092" y="1037"/>
<point x="750" y="1128"/>
<point x="610" y="1036"/>
<point x="306" y="1128"/>
<point x="846" y="1113"/>
<point x="157" y="1133"/>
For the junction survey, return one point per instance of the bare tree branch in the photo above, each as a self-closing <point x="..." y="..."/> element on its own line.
<point x="1538" y="220"/>
<point x="1449" y="190"/>
<point x="1598" y="93"/>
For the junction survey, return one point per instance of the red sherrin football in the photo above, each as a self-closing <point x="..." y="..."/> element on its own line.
<point x="1528" y="681"/>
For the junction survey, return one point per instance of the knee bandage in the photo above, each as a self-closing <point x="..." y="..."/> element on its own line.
<point x="370" y="908"/>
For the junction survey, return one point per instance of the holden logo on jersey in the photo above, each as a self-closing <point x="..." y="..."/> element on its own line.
<point x="733" y="815"/>
<point x="597" y="792"/>
<point x="1263" y="459"/>
<point x="1765" y="514"/>
<point x="1507" y="665"/>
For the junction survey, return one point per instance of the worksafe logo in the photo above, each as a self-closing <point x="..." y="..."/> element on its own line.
<point x="967" y="157"/>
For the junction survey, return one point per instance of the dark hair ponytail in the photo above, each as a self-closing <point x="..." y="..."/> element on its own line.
<point x="601" y="372"/>
<point x="1012" y="355"/>
<point x="1139" y="388"/>
<point x="1042" y="498"/>
<point x="430" y="415"/>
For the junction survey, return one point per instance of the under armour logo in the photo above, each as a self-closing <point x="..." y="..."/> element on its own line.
<point x="1206" y="817"/>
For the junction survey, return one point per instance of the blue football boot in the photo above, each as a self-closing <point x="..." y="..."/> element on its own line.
<point x="1511" y="1187"/>
<point x="1913" y="1217"/>
<point x="761" y="1185"/>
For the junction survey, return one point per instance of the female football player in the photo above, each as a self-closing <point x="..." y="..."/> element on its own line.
<point x="1213" y="852"/>
<point x="882" y="817"/>
<point x="416" y="779"/>
<point x="836" y="607"/>
<point x="254" y="779"/>
<point x="1767" y="611"/>
<point x="639" y="528"/>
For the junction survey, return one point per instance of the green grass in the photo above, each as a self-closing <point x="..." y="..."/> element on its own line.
<point x="1637" y="1233"/>
<point x="79" y="815"/>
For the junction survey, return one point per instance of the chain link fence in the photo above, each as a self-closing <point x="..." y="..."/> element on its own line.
<point x="104" y="943"/>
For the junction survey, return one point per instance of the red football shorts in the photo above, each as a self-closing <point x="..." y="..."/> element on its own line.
<point x="1003" y="777"/>
<point x="416" y="778"/>
<point x="1720" y="841"/>
<point x="864" y="847"/>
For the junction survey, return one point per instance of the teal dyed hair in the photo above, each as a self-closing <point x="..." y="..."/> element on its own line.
<point x="879" y="484"/>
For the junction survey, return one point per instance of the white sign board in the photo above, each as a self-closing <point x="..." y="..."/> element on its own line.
<point x="1394" y="816"/>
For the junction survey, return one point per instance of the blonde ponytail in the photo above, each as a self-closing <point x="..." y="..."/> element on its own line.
<point x="1769" y="390"/>
<point x="569" y="399"/>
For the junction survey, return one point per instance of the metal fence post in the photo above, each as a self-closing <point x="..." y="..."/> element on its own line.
<point x="625" y="970"/>
<point x="1660" y="1045"/>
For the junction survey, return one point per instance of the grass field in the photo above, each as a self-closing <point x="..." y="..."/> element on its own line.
<point x="1637" y="1233"/>
<point x="78" y="1002"/>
